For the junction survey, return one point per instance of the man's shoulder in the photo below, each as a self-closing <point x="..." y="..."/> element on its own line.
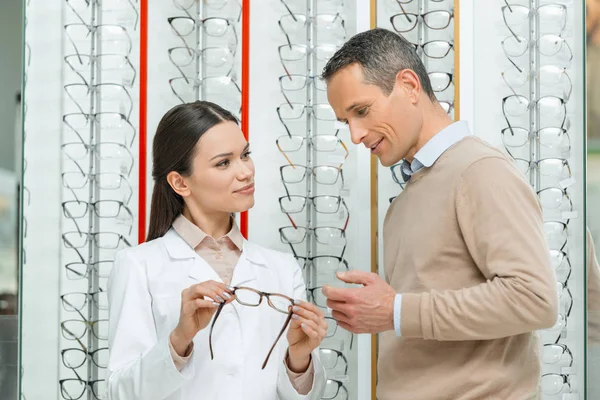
<point x="469" y="151"/>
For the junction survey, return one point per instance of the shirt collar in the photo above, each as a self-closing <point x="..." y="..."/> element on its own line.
<point x="193" y="235"/>
<point x="435" y="147"/>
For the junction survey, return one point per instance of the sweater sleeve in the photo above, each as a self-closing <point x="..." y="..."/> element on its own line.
<point x="500" y="218"/>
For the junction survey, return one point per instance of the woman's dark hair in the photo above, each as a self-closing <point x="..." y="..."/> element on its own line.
<point x="173" y="149"/>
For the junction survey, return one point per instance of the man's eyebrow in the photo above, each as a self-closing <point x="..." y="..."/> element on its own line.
<point x="354" y="105"/>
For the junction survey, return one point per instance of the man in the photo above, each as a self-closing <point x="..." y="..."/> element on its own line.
<point x="468" y="273"/>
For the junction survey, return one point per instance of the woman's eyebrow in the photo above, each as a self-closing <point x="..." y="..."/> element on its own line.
<point x="230" y="154"/>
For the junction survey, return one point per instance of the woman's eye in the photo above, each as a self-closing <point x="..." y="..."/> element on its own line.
<point x="246" y="154"/>
<point x="223" y="163"/>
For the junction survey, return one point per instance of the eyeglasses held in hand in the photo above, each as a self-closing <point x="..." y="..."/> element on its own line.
<point x="252" y="298"/>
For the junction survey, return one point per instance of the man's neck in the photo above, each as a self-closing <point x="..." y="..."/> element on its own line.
<point x="434" y="121"/>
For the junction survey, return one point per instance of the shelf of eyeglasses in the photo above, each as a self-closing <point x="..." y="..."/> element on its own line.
<point x="218" y="29"/>
<point x="208" y="5"/>
<point x="554" y="50"/>
<point x="113" y="68"/>
<point x="111" y="98"/>
<point x="554" y="384"/>
<point x="77" y="330"/>
<point x="215" y="61"/>
<point x="111" y="10"/>
<point x="111" y="38"/>
<point x="91" y="254"/>
<point x="557" y="357"/>
<point x="327" y="27"/>
<point x="326" y="175"/>
<point x="113" y="185"/>
<point x="101" y="240"/>
<point x="322" y="204"/>
<point x="84" y="270"/>
<point x="223" y="90"/>
<point x="335" y="389"/>
<point x="293" y="55"/>
<point x="551" y="171"/>
<point x="321" y="143"/>
<point x="436" y="49"/>
<point x="517" y="17"/>
<point x="114" y="155"/>
<point x="75" y="388"/>
<point x="411" y="24"/>
<point x="319" y="6"/>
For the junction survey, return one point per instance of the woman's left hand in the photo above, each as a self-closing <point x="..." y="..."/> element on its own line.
<point x="307" y="330"/>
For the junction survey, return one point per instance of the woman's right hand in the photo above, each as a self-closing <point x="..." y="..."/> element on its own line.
<point x="199" y="302"/>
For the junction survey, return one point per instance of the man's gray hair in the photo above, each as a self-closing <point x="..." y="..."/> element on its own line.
<point x="381" y="54"/>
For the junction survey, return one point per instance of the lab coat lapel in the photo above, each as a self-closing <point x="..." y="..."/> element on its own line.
<point x="198" y="268"/>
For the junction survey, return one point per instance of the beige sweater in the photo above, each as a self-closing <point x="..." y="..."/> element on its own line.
<point x="464" y="244"/>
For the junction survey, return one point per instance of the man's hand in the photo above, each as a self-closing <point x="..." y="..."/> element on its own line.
<point x="368" y="309"/>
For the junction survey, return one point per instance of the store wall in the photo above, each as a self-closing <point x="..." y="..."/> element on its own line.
<point x="11" y="26"/>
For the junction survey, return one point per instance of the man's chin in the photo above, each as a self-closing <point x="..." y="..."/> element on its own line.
<point x="387" y="161"/>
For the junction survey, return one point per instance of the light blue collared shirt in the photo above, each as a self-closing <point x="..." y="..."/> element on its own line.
<point x="425" y="158"/>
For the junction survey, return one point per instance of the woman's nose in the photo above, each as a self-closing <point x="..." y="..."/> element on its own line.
<point x="245" y="171"/>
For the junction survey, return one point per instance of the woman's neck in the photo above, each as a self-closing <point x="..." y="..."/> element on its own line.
<point x="216" y="225"/>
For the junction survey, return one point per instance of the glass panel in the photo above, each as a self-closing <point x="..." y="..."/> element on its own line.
<point x="592" y="30"/>
<point x="11" y="188"/>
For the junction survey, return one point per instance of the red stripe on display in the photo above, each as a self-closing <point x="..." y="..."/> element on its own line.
<point x="143" y="114"/>
<point x="245" y="90"/>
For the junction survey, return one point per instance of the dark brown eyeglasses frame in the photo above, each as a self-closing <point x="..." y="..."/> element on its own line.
<point x="262" y="295"/>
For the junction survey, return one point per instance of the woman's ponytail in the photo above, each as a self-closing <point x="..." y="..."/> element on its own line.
<point x="166" y="205"/>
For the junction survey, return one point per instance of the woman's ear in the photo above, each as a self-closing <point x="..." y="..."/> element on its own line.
<point x="178" y="184"/>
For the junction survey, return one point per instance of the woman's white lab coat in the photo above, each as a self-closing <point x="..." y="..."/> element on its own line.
<point x="144" y="294"/>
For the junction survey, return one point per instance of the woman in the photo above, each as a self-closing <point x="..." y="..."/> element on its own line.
<point x="187" y="316"/>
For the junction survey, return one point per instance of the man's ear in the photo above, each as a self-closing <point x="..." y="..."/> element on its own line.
<point x="408" y="80"/>
<point x="178" y="184"/>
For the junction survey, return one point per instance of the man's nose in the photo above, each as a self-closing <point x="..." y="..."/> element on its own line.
<point x="357" y="133"/>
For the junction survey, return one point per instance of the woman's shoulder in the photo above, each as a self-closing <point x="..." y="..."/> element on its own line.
<point x="141" y="252"/>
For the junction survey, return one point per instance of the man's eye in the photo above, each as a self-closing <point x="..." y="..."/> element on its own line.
<point x="361" y="111"/>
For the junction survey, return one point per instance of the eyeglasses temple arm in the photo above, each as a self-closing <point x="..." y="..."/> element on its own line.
<point x="211" y="330"/>
<point x="287" y="321"/>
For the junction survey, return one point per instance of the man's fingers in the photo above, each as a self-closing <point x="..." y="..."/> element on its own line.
<point x="355" y="276"/>
<point x="345" y="326"/>
<point x="337" y="305"/>
<point x="341" y="318"/>
<point x="337" y="294"/>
